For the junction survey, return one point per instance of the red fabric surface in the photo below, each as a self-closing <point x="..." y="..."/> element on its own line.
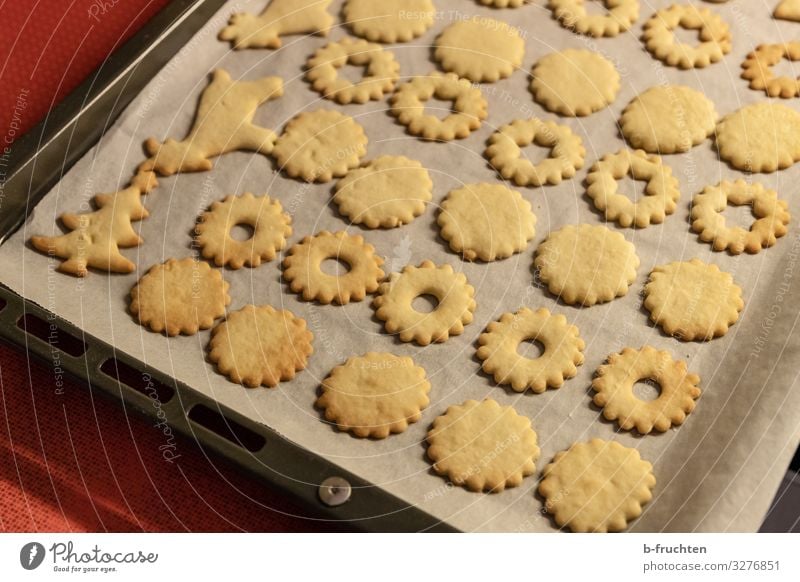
<point x="78" y="461"/>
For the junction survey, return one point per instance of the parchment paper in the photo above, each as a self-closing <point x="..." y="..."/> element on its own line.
<point x="718" y="472"/>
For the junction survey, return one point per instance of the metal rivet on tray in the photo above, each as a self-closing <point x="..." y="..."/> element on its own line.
<point x="334" y="491"/>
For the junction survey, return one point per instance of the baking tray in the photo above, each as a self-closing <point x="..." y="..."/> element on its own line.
<point x="37" y="162"/>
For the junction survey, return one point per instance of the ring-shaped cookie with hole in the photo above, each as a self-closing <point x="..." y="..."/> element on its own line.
<point x="455" y="296"/>
<point x="614" y="382"/>
<point x="561" y="355"/>
<point x="572" y="14"/>
<point x="504" y="152"/>
<point x="380" y="71"/>
<point x="303" y="268"/>
<point x="660" y="194"/>
<point x="757" y="68"/>
<point x="468" y="110"/>
<point x="265" y="216"/>
<point x="771" y="216"/>
<point x="713" y="32"/>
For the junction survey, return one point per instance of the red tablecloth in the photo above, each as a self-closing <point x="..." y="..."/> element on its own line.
<point x="79" y="462"/>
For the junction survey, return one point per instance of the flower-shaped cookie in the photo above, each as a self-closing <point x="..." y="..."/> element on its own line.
<point x="389" y="20"/>
<point x="693" y="300"/>
<point x="505" y="152"/>
<point x="303" y="268"/>
<point x="259" y="345"/>
<point x="770" y="213"/>
<point x="660" y="195"/>
<point x="572" y="14"/>
<point x="180" y="297"/>
<point x="486" y="221"/>
<point x="597" y="486"/>
<point x="614" y="382"/>
<point x="454" y="310"/>
<point x="757" y="68"/>
<point x="375" y="395"/>
<point x="483" y="446"/>
<point x="562" y="353"/>
<point x="265" y="216"/>
<point x="713" y="31"/>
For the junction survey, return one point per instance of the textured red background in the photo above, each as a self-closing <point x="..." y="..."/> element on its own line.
<point x="79" y="462"/>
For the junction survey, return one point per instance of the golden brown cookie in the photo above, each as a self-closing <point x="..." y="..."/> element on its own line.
<point x="223" y="123"/>
<point x="481" y="49"/>
<point x="762" y="137"/>
<point x="387" y="192"/>
<point x="771" y="216"/>
<point x="375" y="395"/>
<point x="713" y="31"/>
<point x="693" y="300"/>
<point x="613" y="387"/>
<point x="380" y="71"/>
<point x="265" y="216"/>
<point x="585" y="265"/>
<point x="180" y="296"/>
<point x="572" y="14"/>
<point x="94" y="238"/>
<point x="454" y="310"/>
<point x="280" y="18"/>
<point x="303" y="268"/>
<point x="389" y="20"/>
<point x="757" y="68"/>
<point x="260" y="346"/>
<point x="468" y="110"/>
<point x="574" y="82"/>
<point x="483" y="446"/>
<point x="486" y="221"/>
<point x="505" y="154"/>
<point x="667" y="119"/>
<point x="562" y="350"/>
<point x="660" y="195"/>
<point x="788" y="10"/>
<point x="596" y="486"/>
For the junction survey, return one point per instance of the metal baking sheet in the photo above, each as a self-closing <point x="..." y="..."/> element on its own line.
<point x="717" y="472"/>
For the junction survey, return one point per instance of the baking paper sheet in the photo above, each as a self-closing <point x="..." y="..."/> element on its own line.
<point x="718" y="472"/>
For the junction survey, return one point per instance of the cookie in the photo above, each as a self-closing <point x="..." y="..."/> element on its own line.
<point x="94" y="238"/>
<point x="389" y="20"/>
<point x="280" y="18"/>
<point x="468" y="110"/>
<point x="375" y="395"/>
<point x="260" y="346"/>
<point x="265" y="216"/>
<point x="223" y="123"/>
<point x="575" y="82"/>
<point x="613" y="387"/>
<point x="660" y="197"/>
<point x="387" y="192"/>
<point x="483" y="446"/>
<point x="713" y="32"/>
<point x="763" y="137"/>
<point x="455" y="308"/>
<point x="180" y="296"/>
<point x="562" y="350"/>
<point x="303" y="268"/>
<point x="668" y="119"/>
<point x="597" y="486"/>
<point x="618" y="17"/>
<point x="320" y="145"/>
<point x="757" y="68"/>
<point x="771" y="216"/>
<point x="481" y="49"/>
<point x="788" y="10"/>
<point x="486" y="221"/>
<point x="505" y="152"/>
<point x="692" y="300"/>
<point x="380" y="71"/>
<point x="584" y="265"/>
